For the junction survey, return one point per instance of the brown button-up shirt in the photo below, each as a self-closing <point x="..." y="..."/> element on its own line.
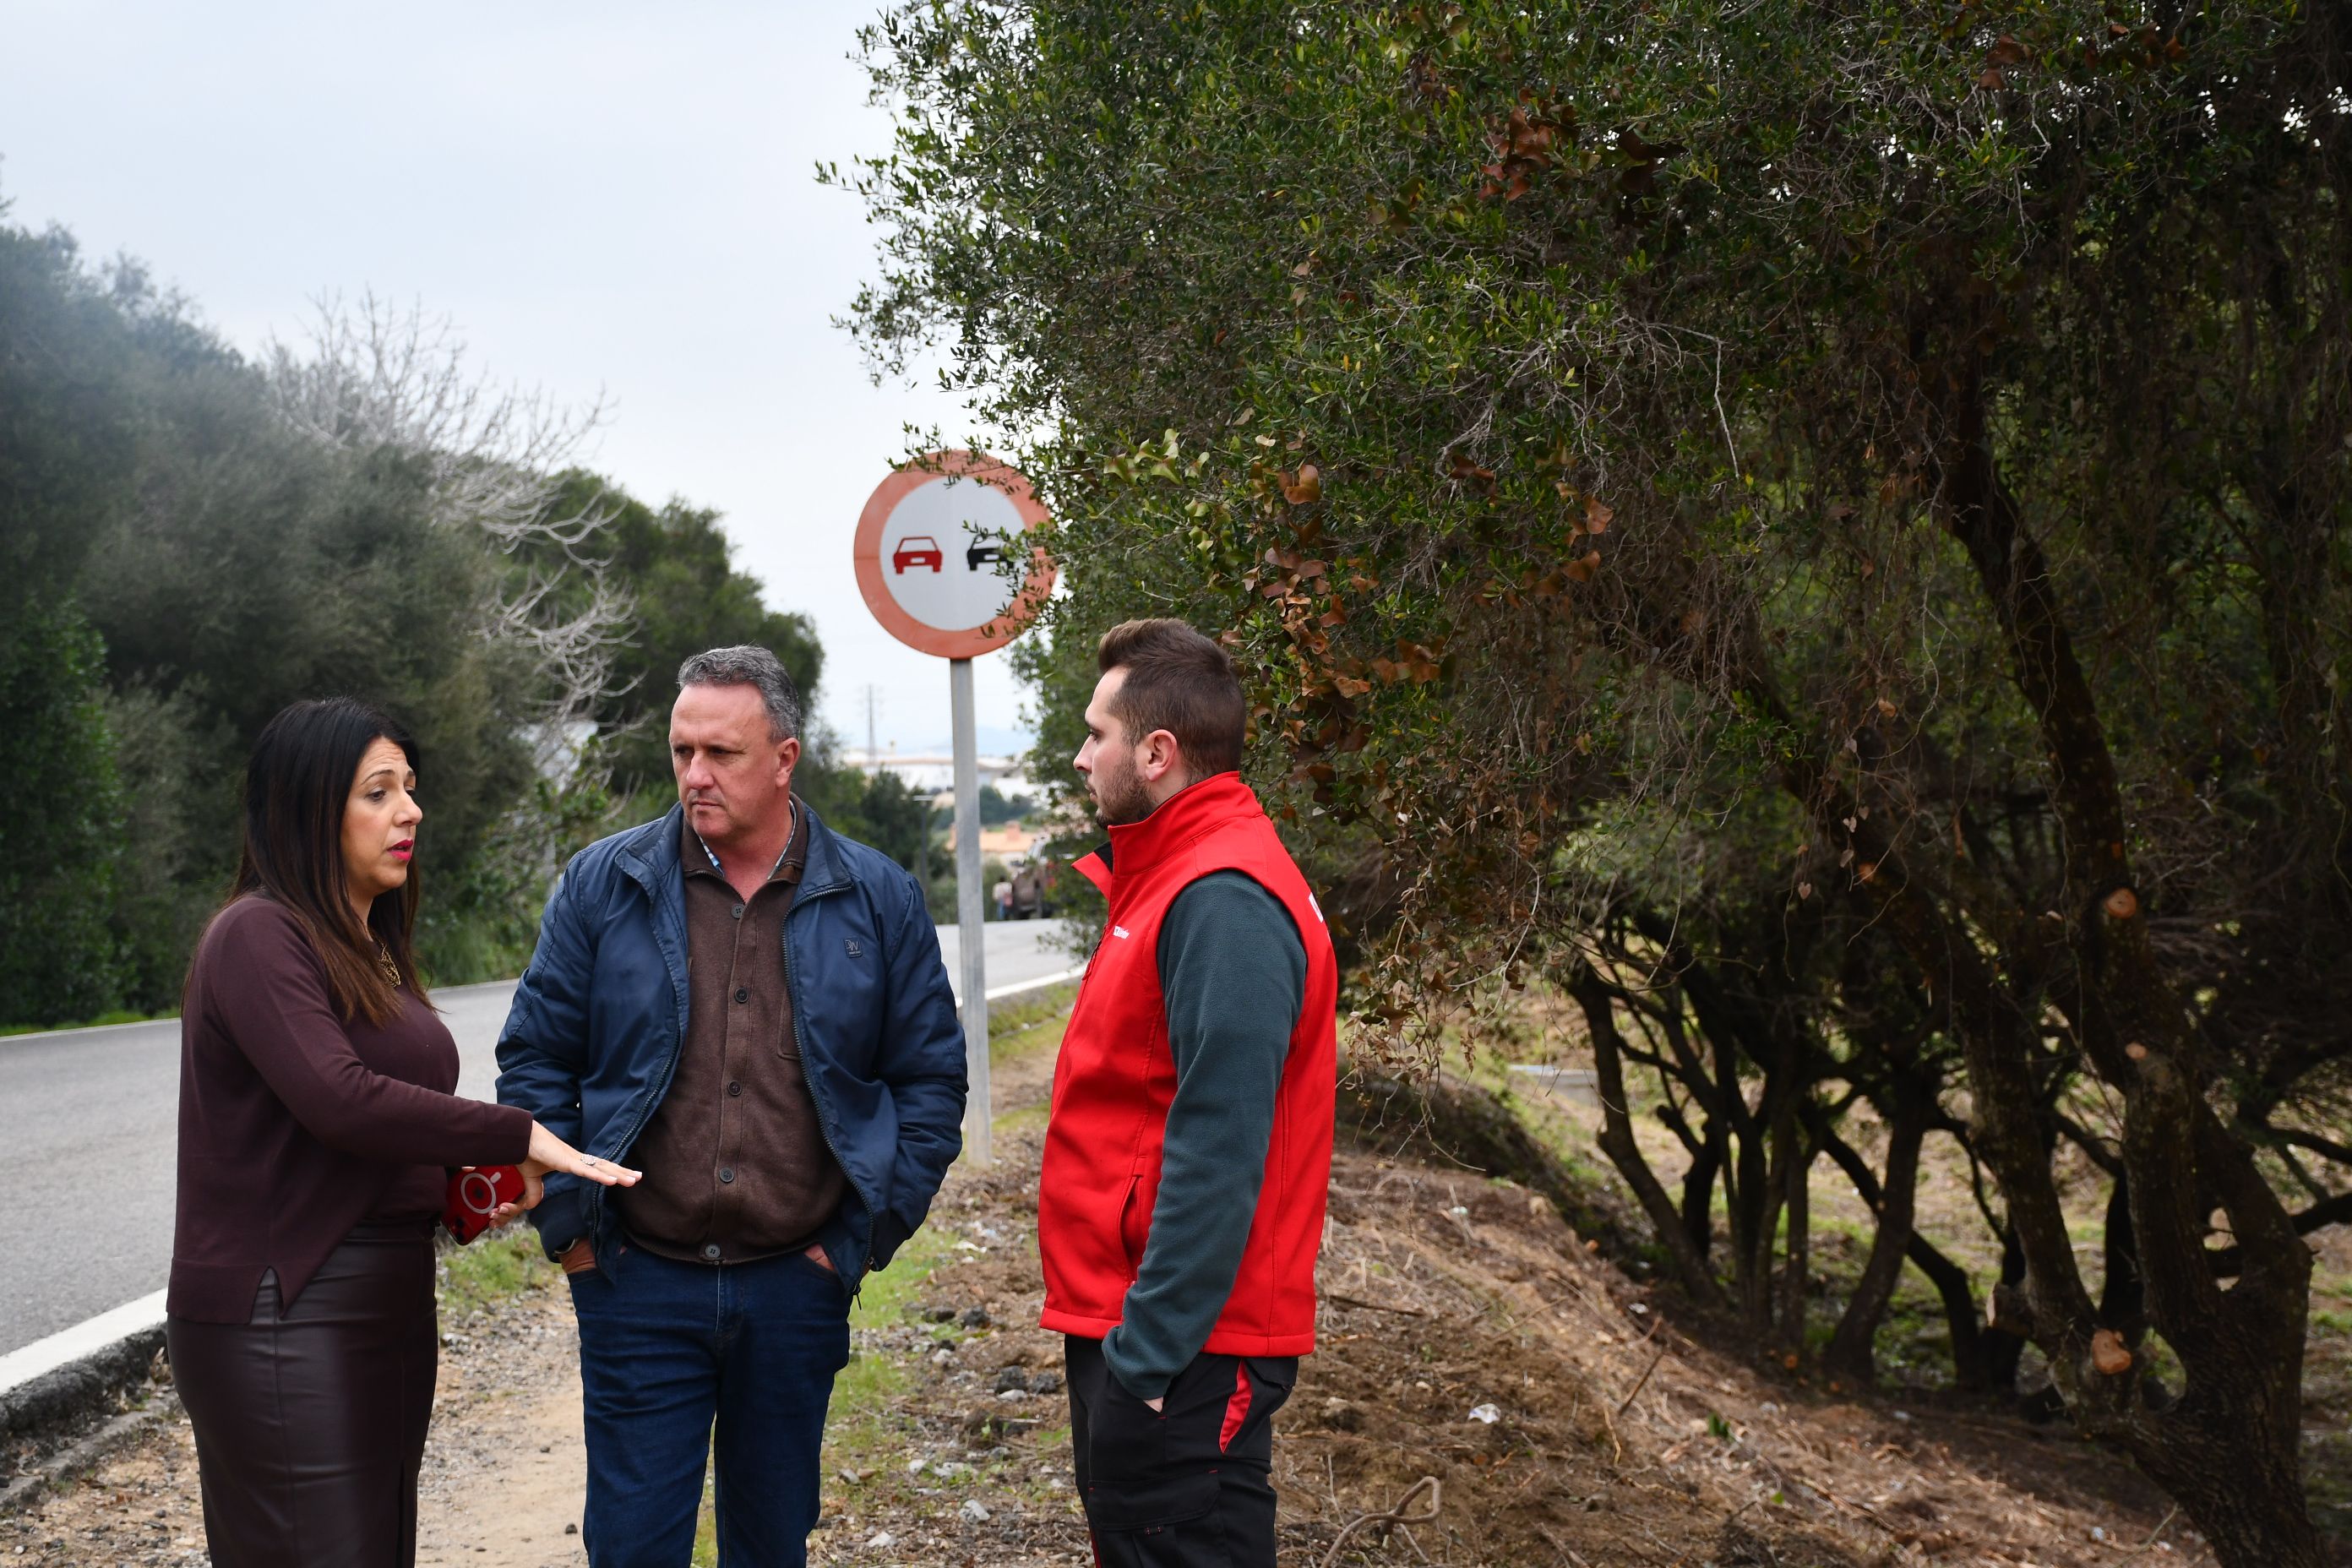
<point x="735" y="1164"/>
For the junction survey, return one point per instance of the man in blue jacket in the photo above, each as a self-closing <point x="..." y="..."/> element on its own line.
<point x="751" y="1010"/>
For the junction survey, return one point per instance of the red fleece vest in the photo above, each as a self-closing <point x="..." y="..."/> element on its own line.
<point x="1116" y="1078"/>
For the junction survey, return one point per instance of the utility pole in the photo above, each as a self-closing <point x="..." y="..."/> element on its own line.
<point x="873" y="752"/>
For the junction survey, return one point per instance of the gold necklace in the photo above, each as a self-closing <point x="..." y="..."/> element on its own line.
<point x="384" y="961"/>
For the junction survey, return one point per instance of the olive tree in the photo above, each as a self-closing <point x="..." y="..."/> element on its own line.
<point x="1913" y="436"/>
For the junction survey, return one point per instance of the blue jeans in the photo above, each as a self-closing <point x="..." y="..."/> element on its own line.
<point x="670" y="1351"/>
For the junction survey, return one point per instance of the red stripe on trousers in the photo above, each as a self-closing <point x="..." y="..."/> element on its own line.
<point x="1236" y="1407"/>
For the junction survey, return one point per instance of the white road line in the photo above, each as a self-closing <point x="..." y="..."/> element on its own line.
<point x="997" y="992"/>
<point x="85" y="1339"/>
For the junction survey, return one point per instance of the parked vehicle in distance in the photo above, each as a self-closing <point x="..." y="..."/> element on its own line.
<point x="917" y="550"/>
<point x="1033" y="890"/>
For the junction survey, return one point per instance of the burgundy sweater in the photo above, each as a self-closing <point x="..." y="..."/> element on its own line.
<point x="295" y="1125"/>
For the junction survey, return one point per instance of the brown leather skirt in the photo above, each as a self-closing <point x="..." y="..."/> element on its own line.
<point x="310" y="1421"/>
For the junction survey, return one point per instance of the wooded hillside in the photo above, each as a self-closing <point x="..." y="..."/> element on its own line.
<point x="192" y="537"/>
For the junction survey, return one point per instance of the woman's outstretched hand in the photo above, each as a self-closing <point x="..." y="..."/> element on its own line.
<point x="550" y="1155"/>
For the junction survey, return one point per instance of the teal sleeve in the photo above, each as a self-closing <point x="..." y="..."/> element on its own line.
<point x="1233" y="972"/>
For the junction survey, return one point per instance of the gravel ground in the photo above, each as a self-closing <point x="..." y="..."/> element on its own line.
<point x="502" y="1473"/>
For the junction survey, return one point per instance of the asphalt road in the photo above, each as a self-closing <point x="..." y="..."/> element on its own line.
<point x="89" y="1119"/>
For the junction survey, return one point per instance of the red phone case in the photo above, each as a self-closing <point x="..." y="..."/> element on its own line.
<point x="475" y="1194"/>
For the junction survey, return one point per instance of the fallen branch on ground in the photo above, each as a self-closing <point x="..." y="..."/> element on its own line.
<point x="1644" y="1381"/>
<point x="1396" y="1516"/>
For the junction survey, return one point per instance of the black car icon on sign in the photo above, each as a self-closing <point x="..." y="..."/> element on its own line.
<point x="983" y="553"/>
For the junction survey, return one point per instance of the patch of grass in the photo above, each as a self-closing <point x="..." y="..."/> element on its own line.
<point x="1021" y="1120"/>
<point x="706" y="1529"/>
<point x="1020" y="1025"/>
<point x="884" y="1298"/>
<point x="2327" y="1479"/>
<point x="1540" y="1115"/>
<point x="496" y="1268"/>
<point x="104" y="1020"/>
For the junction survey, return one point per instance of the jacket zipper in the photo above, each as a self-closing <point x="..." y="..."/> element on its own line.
<point x="823" y="1117"/>
<point x="670" y="1072"/>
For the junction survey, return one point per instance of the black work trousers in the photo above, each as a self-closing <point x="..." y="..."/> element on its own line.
<point x="1189" y="1486"/>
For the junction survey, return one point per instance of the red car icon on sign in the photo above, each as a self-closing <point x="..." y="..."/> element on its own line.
<point x="917" y="550"/>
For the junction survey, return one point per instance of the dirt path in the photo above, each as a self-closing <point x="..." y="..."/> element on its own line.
<point x="502" y="1474"/>
<point x="505" y="1473"/>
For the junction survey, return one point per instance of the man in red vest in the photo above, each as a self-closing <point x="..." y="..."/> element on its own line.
<point x="1190" y="1145"/>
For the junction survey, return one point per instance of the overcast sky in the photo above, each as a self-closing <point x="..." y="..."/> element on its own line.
<point x="602" y="197"/>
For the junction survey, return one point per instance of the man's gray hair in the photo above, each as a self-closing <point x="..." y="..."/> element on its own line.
<point x="750" y="664"/>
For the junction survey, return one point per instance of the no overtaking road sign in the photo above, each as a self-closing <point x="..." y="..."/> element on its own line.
<point x="930" y="554"/>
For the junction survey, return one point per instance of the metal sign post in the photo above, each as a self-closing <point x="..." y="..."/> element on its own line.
<point x="930" y="555"/>
<point x="971" y="947"/>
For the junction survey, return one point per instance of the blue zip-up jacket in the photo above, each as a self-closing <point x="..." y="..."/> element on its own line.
<point x="594" y="1037"/>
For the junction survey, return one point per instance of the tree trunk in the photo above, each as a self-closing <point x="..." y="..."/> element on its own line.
<point x="2247" y="1499"/>
<point x="1617" y="1142"/>
<point x="1755" y="1232"/>
<point x="1852" y="1347"/>
<point x="2230" y="1448"/>
<point x="1751" y="1209"/>
<point x="1698" y="1189"/>
<point x="2005" y="1354"/>
<point x="1752" y="1192"/>
<point x="2123" y="1300"/>
<point x="1980" y="1361"/>
<point x="1797" y="1251"/>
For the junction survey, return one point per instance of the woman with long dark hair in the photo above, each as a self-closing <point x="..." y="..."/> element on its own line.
<point x="316" y="1129"/>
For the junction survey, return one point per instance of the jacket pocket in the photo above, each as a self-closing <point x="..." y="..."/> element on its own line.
<point x="1142" y="1473"/>
<point x="1134" y="1229"/>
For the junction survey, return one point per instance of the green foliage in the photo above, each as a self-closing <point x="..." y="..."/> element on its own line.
<point x="189" y="541"/>
<point x="878" y="809"/>
<point x="492" y="1269"/>
<point x="259" y="568"/>
<point x="678" y="567"/>
<point x="67" y="344"/>
<point x="1782" y="512"/>
<point x="65" y="347"/>
<point x="58" y="849"/>
<point x="997" y="808"/>
<point x="484" y="920"/>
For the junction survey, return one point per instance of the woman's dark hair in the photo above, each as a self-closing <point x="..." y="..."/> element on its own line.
<point x="297" y="783"/>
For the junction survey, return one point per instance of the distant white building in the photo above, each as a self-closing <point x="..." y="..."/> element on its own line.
<point x="930" y="772"/>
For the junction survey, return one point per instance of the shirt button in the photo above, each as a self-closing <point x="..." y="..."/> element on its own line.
<point x="742" y="994"/>
<point x="738" y="911"/>
<point x="733" y="1089"/>
<point x="726" y="1173"/>
<point x="711" y="1250"/>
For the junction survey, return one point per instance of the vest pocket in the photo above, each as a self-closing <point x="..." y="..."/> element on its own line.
<point x="1133" y="1230"/>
